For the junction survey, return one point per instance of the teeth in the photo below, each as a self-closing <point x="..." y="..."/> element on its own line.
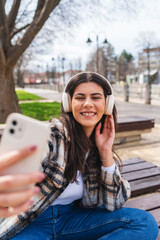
<point x="88" y="114"/>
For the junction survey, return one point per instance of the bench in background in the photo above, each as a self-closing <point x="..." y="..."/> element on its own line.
<point x="130" y="128"/>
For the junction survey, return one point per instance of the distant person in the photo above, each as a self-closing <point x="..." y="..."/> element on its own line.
<point x="13" y="201"/>
<point x="83" y="193"/>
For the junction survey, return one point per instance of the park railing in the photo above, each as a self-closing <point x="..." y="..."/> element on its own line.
<point x="54" y="87"/>
<point x="139" y="93"/>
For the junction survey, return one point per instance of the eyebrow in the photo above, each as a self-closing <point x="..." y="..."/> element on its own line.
<point x="82" y="94"/>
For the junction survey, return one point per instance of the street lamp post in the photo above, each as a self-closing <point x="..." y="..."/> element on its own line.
<point x="60" y="68"/>
<point x="53" y="70"/>
<point x="38" y="80"/>
<point x="47" y="73"/>
<point x="148" y="85"/>
<point x="89" y="41"/>
<point x="148" y="64"/>
<point x="63" y="59"/>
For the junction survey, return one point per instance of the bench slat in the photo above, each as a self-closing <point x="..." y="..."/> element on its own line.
<point x="134" y="123"/>
<point x="145" y="185"/>
<point x="146" y="202"/>
<point x="133" y="161"/>
<point x="150" y="172"/>
<point x="135" y="119"/>
<point x="139" y="166"/>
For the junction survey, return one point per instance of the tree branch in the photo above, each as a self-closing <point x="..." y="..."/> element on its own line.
<point x="13" y="14"/>
<point x="40" y="5"/>
<point x="15" y="31"/>
<point x="36" y="25"/>
<point x="2" y="14"/>
<point x="25" y="13"/>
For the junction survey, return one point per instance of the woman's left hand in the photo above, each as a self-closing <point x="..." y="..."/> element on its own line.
<point x="104" y="140"/>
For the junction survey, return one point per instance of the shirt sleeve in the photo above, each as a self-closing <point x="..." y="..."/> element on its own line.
<point x="110" y="169"/>
<point x="114" y="190"/>
<point x="111" y="191"/>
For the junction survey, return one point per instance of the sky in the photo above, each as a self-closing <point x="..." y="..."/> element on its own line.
<point x="124" y="32"/>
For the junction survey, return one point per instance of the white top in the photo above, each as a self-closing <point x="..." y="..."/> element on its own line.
<point x="74" y="191"/>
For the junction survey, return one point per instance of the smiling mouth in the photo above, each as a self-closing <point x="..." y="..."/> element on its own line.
<point x="88" y="114"/>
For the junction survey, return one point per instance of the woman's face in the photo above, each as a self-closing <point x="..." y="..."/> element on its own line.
<point x="88" y="104"/>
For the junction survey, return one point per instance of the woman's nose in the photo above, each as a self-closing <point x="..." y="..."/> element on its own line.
<point x="88" y="103"/>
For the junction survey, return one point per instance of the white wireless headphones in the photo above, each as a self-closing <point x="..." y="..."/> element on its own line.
<point x="67" y="103"/>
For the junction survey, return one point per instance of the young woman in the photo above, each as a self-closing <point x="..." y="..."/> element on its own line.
<point x="83" y="192"/>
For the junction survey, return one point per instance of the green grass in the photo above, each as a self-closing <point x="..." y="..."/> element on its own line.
<point x="22" y="95"/>
<point x="41" y="111"/>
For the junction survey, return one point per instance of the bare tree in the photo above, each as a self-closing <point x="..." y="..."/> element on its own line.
<point x="19" y="25"/>
<point x="145" y="43"/>
<point x="125" y="65"/>
<point x="146" y="39"/>
<point x="9" y="53"/>
<point x="21" y="67"/>
<point x="106" y="62"/>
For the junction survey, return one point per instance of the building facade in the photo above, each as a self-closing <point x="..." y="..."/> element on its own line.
<point x="149" y="64"/>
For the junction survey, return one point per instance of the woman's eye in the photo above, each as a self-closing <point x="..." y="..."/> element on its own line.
<point x="96" y="98"/>
<point x="80" y="98"/>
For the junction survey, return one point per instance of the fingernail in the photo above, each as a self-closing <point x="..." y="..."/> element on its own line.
<point x="31" y="202"/>
<point x="32" y="148"/>
<point x="36" y="190"/>
<point x="41" y="176"/>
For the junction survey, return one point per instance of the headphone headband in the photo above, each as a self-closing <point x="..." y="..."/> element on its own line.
<point x="88" y="72"/>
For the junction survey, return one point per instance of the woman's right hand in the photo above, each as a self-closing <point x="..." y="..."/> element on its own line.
<point x="15" y="201"/>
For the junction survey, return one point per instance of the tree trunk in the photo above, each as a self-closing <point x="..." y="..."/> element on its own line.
<point x="8" y="97"/>
<point x="20" y="79"/>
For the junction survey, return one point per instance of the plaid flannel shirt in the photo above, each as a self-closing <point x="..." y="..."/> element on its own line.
<point x="112" y="191"/>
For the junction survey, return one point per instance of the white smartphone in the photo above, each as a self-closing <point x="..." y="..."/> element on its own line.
<point x="21" y="131"/>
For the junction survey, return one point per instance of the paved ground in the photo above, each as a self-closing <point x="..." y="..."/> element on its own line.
<point x="148" y="147"/>
<point x="48" y="94"/>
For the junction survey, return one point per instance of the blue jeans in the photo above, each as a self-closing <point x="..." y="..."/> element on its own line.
<point x="70" y="222"/>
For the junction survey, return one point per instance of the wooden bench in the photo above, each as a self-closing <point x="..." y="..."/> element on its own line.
<point x="130" y="128"/>
<point x="144" y="178"/>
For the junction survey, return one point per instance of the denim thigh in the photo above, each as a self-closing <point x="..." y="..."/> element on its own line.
<point x="40" y="229"/>
<point x="73" y="222"/>
<point x="98" y="223"/>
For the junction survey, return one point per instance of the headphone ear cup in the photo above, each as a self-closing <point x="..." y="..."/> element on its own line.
<point x="66" y="102"/>
<point x="109" y="104"/>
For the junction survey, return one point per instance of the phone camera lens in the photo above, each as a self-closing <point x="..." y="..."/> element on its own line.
<point x="11" y="131"/>
<point x="14" y="122"/>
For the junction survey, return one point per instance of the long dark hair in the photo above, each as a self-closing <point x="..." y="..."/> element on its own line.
<point x="83" y="154"/>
